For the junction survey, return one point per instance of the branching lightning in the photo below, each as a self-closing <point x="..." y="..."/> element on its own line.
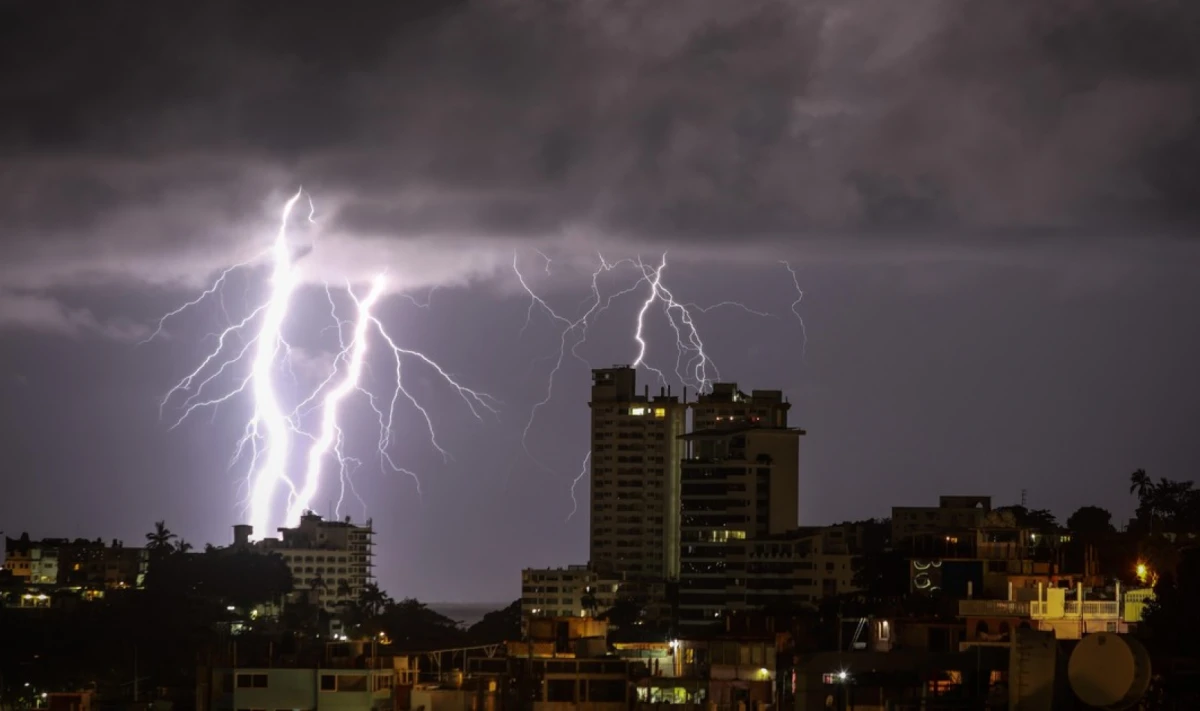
<point x="693" y="366"/>
<point x="257" y="344"/>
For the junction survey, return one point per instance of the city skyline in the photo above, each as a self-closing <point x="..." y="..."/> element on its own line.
<point x="996" y="290"/>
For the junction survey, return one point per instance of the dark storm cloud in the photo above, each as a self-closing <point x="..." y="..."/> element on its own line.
<point x="156" y="127"/>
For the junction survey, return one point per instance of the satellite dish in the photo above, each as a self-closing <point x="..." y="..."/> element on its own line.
<point x="1109" y="671"/>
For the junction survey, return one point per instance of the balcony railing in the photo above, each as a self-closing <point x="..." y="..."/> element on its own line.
<point x="1098" y="610"/>
<point x="993" y="608"/>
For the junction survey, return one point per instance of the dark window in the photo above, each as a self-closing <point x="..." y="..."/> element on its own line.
<point x="560" y="690"/>
<point x="251" y="681"/>
<point x="606" y="690"/>
<point x="347" y="682"/>
<point x="328" y="682"/>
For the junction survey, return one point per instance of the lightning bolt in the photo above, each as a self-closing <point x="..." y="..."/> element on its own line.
<point x="583" y="471"/>
<point x="257" y="343"/>
<point x="796" y="308"/>
<point x="693" y="366"/>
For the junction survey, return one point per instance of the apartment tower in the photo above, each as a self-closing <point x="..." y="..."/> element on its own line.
<point x="739" y="483"/>
<point x="636" y="452"/>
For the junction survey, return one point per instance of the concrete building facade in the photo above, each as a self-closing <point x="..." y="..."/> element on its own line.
<point x="310" y="689"/>
<point x="331" y="560"/>
<point x="573" y="591"/>
<point x="75" y="563"/>
<point x="952" y="512"/>
<point x="635" y="477"/>
<point x="739" y="483"/>
<point x="726" y="406"/>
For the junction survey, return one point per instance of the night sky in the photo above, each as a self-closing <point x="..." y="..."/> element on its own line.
<point x="991" y="208"/>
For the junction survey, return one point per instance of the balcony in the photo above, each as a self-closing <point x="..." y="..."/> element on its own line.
<point x="1098" y="610"/>
<point x="994" y="608"/>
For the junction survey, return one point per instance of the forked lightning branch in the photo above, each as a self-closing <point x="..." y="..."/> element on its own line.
<point x="256" y="344"/>
<point x="253" y="353"/>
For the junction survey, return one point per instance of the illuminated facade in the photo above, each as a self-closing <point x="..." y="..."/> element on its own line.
<point x="75" y="563"/>
<point x="739" y="483"/>
<point x="573" y="591"/>
<point x="635" y="478"/>
<point x="329" y="559"/>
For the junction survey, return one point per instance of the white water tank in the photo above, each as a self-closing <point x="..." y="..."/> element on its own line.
<point x="1109" y="671"/>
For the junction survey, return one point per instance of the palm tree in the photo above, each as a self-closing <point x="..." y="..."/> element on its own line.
<point x="318" y="582"/>
<point x="160" y="538"/>
<point x="182" y="546"/>
<point x="1140" y="483"/>
<point x="589" y="601"/>
<point x="372" y="599"/>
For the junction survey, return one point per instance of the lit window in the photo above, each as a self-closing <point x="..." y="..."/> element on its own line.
<point x="637" y="411"/>
<point x="660" y="412"/>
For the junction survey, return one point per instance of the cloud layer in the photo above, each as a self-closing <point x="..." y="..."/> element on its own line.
<point x="154" y="143"/>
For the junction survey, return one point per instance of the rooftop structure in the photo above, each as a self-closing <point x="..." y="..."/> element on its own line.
<point x="329" y="559"/>
<point x="725" y="405"/>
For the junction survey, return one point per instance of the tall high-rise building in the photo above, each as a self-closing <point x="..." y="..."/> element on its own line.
<point x="636" y="453"/>
<point x="727" y="406"/>
<point x="738" y="483"/>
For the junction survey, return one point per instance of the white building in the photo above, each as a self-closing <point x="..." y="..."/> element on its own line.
<point x="331" y="559"/>
<point x="315" y="689"/>
<point x="564" y="592"/>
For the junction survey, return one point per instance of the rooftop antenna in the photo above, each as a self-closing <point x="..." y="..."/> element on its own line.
<point x="1024" y="498"/>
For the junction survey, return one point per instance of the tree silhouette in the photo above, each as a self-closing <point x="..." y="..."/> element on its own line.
<point x="625" y="613"/>
<point x="1039" y="520"/>
<point x="589" y="601"/>
<point x="497" y="626"/>
<point x="1166" y="506"/>
<point x="413" y="626"/>
<point x="1169" y="619"/>
<point x="1090" y="522"/>
<point x="159" y="540"/>
<point x="373" y="600"/>
<point x="1140" y="483"/>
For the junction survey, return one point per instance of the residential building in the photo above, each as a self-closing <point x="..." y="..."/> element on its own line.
<point x="76" y="563"/>
<point x="635" y="477"/>
<point x="330" y="560"/>
<point x="986" y="558"/>
<point x="739" y="483"/>
<point x="725" y="405"/>
<point x="1055" y="609"/>
<point x="318" y="689"/>
<point x="952" y="512"/>
<point x="18" y="557"/>
<point x="573" y="591"/>
<point x="803" y="566"/>
<point x="729" y="669"/>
